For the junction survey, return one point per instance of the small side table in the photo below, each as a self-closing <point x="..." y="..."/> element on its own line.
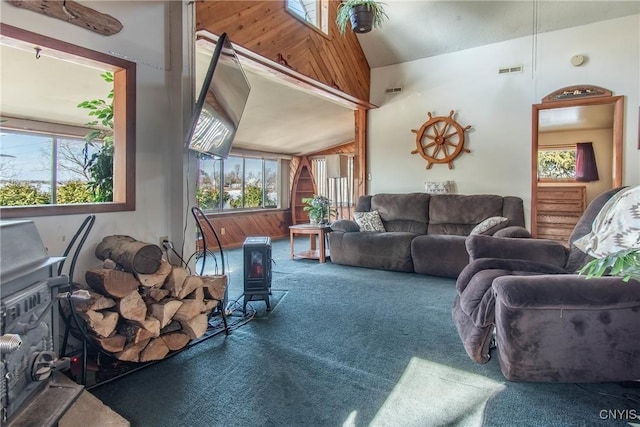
<point x="313" y="231"/>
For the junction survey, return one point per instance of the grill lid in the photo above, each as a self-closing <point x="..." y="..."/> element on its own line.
<point x="22" y="253"/>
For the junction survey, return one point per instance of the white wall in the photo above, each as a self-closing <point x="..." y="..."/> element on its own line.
<point x="498" y="107"/>
<point x="161" y="100"/>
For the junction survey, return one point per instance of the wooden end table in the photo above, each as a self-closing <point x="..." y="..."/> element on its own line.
<point x="313" y="231"/>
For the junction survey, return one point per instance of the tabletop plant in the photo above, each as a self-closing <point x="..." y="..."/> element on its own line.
<point x="319" y="209"/>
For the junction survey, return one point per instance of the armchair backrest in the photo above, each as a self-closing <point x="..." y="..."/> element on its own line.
<point x="577" y="259"/>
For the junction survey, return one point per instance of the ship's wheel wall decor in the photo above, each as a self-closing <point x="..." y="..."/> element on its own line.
<point x="440" y="140"/>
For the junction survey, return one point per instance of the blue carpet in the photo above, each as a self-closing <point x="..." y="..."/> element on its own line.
<point x="348" y="346"/>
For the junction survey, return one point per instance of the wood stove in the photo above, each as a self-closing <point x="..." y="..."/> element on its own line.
<point x="257" y="270"/>
<point x="29" y="392"/>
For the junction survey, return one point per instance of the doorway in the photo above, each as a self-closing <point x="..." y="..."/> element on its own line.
<point x="565" y="118"/>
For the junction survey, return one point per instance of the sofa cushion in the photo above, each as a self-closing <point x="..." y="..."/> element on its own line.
<point x="490" y="225"/>
<point x="439" y="255"/>
<point x="458" y="214"/>
<point x="387" y="251"/>
<point x="369" y="221"/>
<point x="403" y="212"/>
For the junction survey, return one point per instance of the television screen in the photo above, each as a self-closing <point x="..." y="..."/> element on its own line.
<point x="219" y="106"/>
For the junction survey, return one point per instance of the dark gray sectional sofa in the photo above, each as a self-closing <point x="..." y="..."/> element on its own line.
<point x="425" y="233"/>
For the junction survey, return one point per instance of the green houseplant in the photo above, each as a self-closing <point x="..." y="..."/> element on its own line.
<point x="364" y="15"/>
<point x="319" y="209"/>
<point x="625" y="264"/>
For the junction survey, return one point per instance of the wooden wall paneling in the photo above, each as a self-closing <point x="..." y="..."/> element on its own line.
<point x="265" y="28"/>
<point x="239" y="225"/>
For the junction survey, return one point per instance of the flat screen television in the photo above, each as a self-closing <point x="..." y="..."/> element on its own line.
<point x="223" y="96"/>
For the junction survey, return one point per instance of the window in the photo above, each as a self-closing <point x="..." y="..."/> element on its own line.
<point x="40" y="101"/>
<point x="40" y="169"/>
<point x="338" y="190"/>
<point x="313" y="12"/>
<point x="247" y="183"/>
<point x="557" y="163"/>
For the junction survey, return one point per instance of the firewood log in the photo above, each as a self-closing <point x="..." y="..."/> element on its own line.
<point x="132" y="307"/>
<point x="112" y="344"/>
<point x="95" y="302"/>
<point x="132" y="255"/>
<point x="156" y="295"/>
<point x="114" y="283"/>
<point x="173" y="326"/>
<point x="191" y="283"/>
<point x="196" y="326"/>
<point x="175" y="340"/>
<point x="134" y="333"/>
<point x="151" y="324"/>
<point x="175" y="281"/>
<point x="131" y="352"/>
<point x="188" y="310"/>
<point x="155" y="280"/>
<point x="214" y="286"/>
<point x="197" y="294"/>
<point x="101" y="323"/>
<point x="155" y="350"/>
<point x="164" y="310"/>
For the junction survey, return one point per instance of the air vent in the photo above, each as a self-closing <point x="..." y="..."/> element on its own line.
<point x="394" y="89"/>
<point x="513" y="69"/>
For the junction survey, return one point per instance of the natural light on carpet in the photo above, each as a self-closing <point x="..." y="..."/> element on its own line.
<point x="429" y="393"/>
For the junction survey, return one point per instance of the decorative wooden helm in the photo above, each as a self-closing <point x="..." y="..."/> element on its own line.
<point x="440" y="140"/>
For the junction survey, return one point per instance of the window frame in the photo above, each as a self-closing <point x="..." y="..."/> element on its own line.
<point x="221" y="177"/>
<point x="323" y="17"/>
<point x="124" y="105"/>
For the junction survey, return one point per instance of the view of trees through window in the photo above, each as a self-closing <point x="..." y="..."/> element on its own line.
<point x="246" y="183"/>
<point x="43" y="169"/>
<point x="557" y="163"/>
<point x="48" y="169"/>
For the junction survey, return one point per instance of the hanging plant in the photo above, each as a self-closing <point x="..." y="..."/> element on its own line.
<point x="100" y="163"/>
<point x="363" y="15"/>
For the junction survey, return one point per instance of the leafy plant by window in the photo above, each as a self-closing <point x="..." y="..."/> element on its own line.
<point x="100" y="163"/>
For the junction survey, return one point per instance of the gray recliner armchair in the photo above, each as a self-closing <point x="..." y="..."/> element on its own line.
<point x="548" y="324"/>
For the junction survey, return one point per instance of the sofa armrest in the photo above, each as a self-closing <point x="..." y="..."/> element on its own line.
<point x="566" y="291"/>
<point x="345" y="225"/>
<point x="537" y="250"/>
<point x="513" y="231"/>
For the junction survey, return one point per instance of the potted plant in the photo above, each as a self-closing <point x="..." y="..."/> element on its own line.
<point x="319" y="209"/>
<point x="364" y="15"/>
<point x="625" y="263"/>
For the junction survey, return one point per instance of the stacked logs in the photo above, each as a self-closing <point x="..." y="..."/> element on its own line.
<point x="141" y="307"/>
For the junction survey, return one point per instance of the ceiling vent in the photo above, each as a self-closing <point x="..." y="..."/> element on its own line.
<point x="394" y="89"/>
<point x="513" y="69"/>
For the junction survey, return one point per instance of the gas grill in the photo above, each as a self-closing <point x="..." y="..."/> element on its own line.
<point x="30" y="393"/>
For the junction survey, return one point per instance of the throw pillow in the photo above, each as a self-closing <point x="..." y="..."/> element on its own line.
<point x="490" y="225"/>
<point x="433" y="187"/>
<point x="369" y="221"/>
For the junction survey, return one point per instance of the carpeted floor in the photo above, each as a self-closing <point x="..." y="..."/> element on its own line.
<point x="348" y="346"/>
